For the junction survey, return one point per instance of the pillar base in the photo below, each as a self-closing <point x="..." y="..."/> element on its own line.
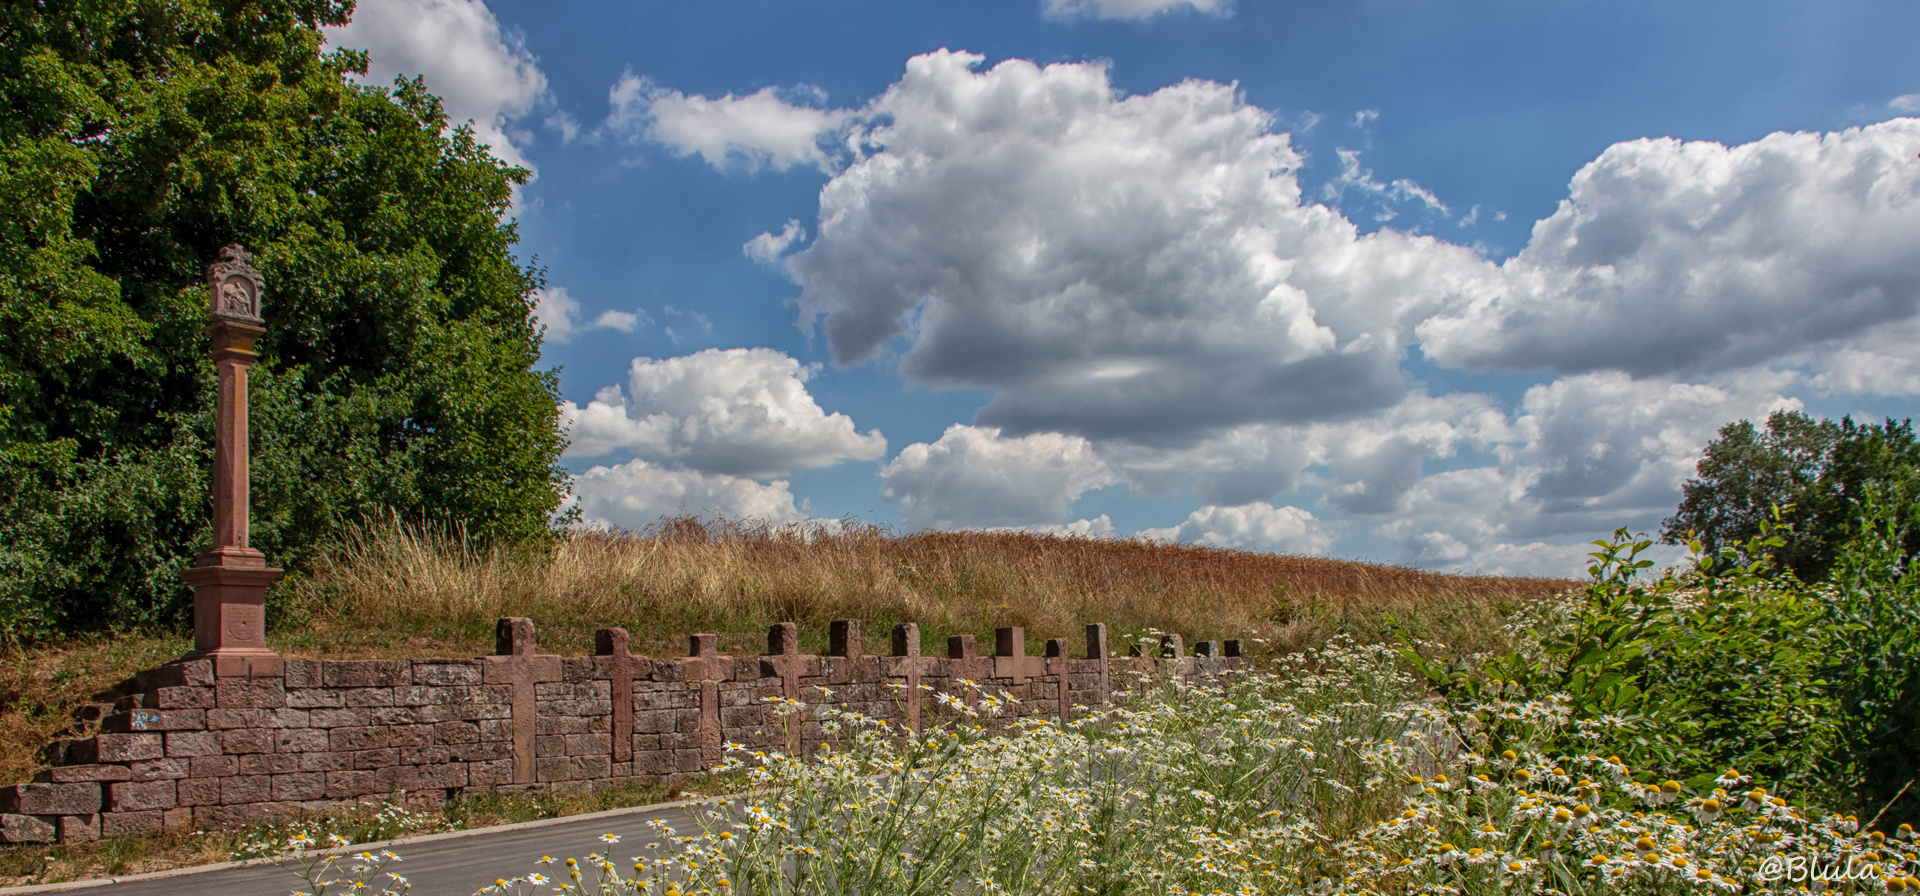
<point x="240" y="663"/>
<point x="229" y="613"/>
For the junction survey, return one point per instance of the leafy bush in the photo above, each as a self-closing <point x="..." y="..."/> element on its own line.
<point x="1728" y="661"/>
<point x="1872" y="601"/>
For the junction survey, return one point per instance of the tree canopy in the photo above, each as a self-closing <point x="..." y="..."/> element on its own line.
<point x="398" y="370"/>
<point x="1819" y="471"/>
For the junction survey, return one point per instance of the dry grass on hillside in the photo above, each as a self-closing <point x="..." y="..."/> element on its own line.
<point x="393" y="586"/>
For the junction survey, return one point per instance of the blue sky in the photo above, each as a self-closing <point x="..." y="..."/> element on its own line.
<point x="1462" y="286"/>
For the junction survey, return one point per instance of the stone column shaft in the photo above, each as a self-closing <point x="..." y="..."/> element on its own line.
<point x="230" y="460"/>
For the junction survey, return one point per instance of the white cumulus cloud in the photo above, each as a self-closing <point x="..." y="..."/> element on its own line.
<point x="558" y="311"/>
<point x="1880" y="361"/>
<point x="1107" y="265"/>
<point x="624" y="321"/>
<point x="1583" y="455"/>
<point x="976" y="477"/>
<point x="1258" y="526"/>
<point x="482" y="74"/>
<point x="554" y="308"/>
<point x="761" y="129"/>
<point x="1128" y="9"/>
<point x="768" y="247"/>
<point x="740" y="412"/>
<point x="636" y="494"/>
<point x="1689" y="258"/>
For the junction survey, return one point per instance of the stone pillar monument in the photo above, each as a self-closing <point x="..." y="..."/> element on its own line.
<point x="230" y="581"/>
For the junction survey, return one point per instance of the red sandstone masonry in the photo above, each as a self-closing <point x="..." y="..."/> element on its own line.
<point x="190" y="748"/>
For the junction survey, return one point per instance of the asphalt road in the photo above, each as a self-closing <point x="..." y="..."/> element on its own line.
<point x="438" y="865"/>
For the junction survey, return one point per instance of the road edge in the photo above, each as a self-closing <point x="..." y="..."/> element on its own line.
<point x="350" y="848"/>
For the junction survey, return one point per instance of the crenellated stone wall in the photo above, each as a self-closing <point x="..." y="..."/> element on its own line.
<point x="191" y="748"/>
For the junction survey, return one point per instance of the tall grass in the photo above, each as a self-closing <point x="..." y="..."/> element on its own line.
<point x="390" y="583"/>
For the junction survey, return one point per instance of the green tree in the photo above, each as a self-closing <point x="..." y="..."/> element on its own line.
<point x="1818" y="471"/>
<point x="398" y="368"/>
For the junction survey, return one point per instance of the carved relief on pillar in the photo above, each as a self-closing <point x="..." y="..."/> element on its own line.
<point x="236" y="288"/>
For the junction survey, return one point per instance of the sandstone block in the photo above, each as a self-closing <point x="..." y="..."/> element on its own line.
<point x="431" y="755"/>
<point x="456" y="733"/>
<point x="78" y="798"/>
<point x="239" y="741"/>
<point x="409" y="736"/>
<point x="385" y="757"/>
<point x="130" y="824"/>
<point x="315" y="698"/>
<point x="74" y="773"/>
<point x="366" y="673"/>
<point x="368" y="696"/>
<point x="303" y="674"/>
<point x="127" y="747"/>
<point x="300" y="786"/>
<point x="140" y="796"/>
<point x="213" y="766"/>
<point x="250" y="693"/>
<point x="78" y="828"/>
<point x="25" y="829"/>
<point x="245" y="789"/>
<point x="337" y="718"/>
<point x="326" y="762"/>
<point x="491" y="773"/>
<point x="181" y="698"/>
<point x="226" y="718"/>
<point x="458" y="672"/>
<point x="344" y="785"/>
<point x="417" y="695"/>
<point x="192" y="743"/>
<point x="553" y="769"/>
<point x="269" y="764"/>
<point x="197" y="792"/>
<point x="658" y="722"/>
<point x="398" y="715"/>
<point x="480" y="751"/>
<point x="369" y="738"/>
<point x="431" y="777"/>
<point x="170" y="769"/>
<point x="302" y="740"/>
<point x="587" y="744"/>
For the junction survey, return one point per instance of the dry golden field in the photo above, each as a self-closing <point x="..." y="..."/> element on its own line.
<point x="684" y="576"/>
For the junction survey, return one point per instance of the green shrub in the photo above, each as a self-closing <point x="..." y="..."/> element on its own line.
<point x="1726" y="661"/>
<point x="1872" y="601"/>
